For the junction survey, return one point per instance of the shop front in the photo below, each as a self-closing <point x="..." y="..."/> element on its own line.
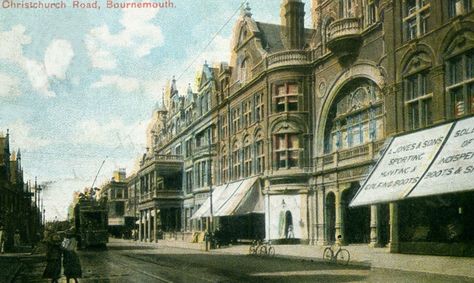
<point x="428" y="178"/>
<point x="236" y="209"/>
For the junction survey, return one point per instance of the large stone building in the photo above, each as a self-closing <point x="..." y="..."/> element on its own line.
<point x="385" y="68"/>
<point x="18" y="211"/>
<point x="115" y="192"/>
<point x="278" y="142"/>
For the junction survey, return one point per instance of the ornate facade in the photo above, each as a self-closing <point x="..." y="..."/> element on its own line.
<point x="305" y="113"/>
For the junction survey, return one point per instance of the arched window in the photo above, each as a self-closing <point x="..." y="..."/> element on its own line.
<point x="460" y="76"/>
<point x="236" y="162"/>
<point x="247" y="157"/>
<point x="417" y="91"/>
<point x="259" y="154"/>
<point x="356" y="117"/>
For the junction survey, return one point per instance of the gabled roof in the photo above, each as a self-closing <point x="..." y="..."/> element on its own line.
<point x="270" y="35"/>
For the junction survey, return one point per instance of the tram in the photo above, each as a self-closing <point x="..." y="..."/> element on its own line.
<point x="90" y="221"/>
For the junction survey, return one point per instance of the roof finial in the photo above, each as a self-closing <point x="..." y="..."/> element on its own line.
<point x="246" y="11"/>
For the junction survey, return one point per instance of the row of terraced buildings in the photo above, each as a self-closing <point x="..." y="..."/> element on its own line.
<point x="276" y="143"/>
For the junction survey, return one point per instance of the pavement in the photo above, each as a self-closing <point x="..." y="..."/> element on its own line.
<point x="376" y="258"/>
<point x="11" y="263"/>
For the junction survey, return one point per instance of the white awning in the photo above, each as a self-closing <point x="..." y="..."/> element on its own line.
<point x="206" y="206"/>
<point x="402" y="166"/>
<point x="230" y="205"/>
<point x="453" y="169"/>
<point x="232" y="199"/>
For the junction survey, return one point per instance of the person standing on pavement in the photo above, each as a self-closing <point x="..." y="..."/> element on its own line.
<point x="71" y="262"/>
<point x="53" y="257"/>
<point x="16" y="239"/>
<point x="2" y="239"/>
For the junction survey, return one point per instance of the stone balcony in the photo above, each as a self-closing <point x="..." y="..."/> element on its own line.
<point x="345" y="36"/>
<point x="347" y="157"/>
<point x="288" y="58"/>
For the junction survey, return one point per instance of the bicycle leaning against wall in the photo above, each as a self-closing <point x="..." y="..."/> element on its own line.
<point x="335" y="253"/>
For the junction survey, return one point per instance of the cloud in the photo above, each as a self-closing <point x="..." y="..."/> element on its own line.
<point x="9" y="86"/>
<point x="57" y="58"/>
<point x="124" y="84"/>
<point x="22" y="137"/>
<point x="218" y="51"/>
<point x="100" y="57"/>
<point x="111" y="133"/>
<point x="138" y="34"/>
<point x="37" y="74"/>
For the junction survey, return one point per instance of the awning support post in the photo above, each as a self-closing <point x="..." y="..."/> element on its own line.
<point x="394" y="240"/>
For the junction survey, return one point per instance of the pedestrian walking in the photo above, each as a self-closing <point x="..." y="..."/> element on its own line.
<point x="53" y="258"/>
<point x="16" y="239"/>
<point x="71" y="262"/>
<point x="2" y="239"/>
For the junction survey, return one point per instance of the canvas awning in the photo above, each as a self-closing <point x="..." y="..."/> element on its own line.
<point x="428" y="162"/>
<point x="230" y="205"/>
<point x="206" y="206"/>
<point x="236" y="198"/>
<point x="453" y="169"/>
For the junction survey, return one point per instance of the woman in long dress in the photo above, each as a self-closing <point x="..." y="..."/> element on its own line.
<point x="53" y="258"/>
<point x="71" y="262"/>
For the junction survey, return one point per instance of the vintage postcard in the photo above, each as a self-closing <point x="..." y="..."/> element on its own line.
<point x="236" y="141"/>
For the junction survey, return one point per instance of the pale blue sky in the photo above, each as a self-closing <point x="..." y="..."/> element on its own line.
<point x="79" y="85"/>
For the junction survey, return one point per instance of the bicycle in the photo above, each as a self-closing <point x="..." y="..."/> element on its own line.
<point x="341" y="256"/>
<point x="266" y="249"/>
<point x="254" y="247"/>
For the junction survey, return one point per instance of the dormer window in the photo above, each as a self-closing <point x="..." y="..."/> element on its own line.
<point x="243" y="71"/>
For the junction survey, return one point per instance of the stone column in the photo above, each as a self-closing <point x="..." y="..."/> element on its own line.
<point x="339" y="218"/>
<point x="149" y="225"/>
<point x="155" y="222"/>
<point x="321" y="225"/>
<point x="267" y="217"/>
<point x="394" y="240"/>
<point x="140" y="227"/>
<point x="374" y="231"/>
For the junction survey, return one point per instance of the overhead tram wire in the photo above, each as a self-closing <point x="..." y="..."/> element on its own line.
<point x="212" y="39"/>
<point x="185" y="70"/>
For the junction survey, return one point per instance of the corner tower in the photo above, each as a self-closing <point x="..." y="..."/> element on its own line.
<point x="292" y="21"/>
